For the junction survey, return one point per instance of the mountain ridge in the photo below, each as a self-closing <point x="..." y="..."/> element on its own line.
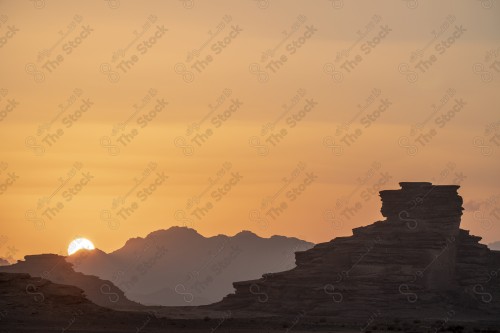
<point x="205" y="267"/>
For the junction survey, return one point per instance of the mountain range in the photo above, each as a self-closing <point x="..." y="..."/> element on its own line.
<point x="415" y="271"/>
<point x="179" y="266"/>
<point x="494" y="246"/>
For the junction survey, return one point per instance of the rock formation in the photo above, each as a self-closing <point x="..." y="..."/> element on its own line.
<point x="417" y="263"/>
<point x="33" y="304"/>
<point x="54" y="267"/>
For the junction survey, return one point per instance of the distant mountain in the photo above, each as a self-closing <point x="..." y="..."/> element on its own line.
<point x="179" y="266"/>
<point x="54" y="267"/>
<point x="3" y="262"/>
<point x="494" y="246"/>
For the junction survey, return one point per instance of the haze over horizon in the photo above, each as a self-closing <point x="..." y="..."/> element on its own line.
<point x="242" y="232"/>
<point x="119" y="119"/>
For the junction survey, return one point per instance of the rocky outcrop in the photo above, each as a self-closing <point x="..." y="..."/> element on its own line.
<point x="34" y="304"/>
<point x="54" y="267"/>
<point x="418" y="259"/>
<point x="23" y="296"/>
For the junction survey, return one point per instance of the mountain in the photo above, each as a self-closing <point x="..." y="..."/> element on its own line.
<point x="3" y="262"/>
<point x="179" y="266"/>
<point x="494" y="246"/>
<point x="417" y="263"/>
<point x="54" y="267"/>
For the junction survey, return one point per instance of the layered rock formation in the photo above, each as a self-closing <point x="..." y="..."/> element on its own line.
<point x="54" y="267"/>
<point x="23" y="297"/>
<point x="417" y="263"/>
<point x="33" y="304"/>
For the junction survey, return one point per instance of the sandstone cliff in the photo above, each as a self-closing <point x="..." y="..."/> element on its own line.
<point x="417" y="263"/>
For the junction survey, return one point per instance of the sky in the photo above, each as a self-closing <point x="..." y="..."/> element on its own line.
<point x="284" y="117"/>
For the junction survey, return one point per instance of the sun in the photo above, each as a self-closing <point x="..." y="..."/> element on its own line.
<point x="78" y="244"/>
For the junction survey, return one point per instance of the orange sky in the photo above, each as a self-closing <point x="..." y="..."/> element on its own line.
<point x="280" y="117"/>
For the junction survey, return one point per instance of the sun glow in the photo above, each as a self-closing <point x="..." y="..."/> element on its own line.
<point x="78" y="244"/>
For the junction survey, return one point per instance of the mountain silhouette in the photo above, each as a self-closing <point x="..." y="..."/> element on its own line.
<point x="416" y="271"/>
<point x="494" y="246"/>
<point x="3" y="262"/>
<point x="54" y="267"/>
<point x="179" y="266"/>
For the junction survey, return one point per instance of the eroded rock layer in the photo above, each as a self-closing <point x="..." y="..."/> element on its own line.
<point x="418" y="259"/>
<point x="54" y="267"/>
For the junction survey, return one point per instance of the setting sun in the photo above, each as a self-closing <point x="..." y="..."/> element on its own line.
<point x="78" y="244"/>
